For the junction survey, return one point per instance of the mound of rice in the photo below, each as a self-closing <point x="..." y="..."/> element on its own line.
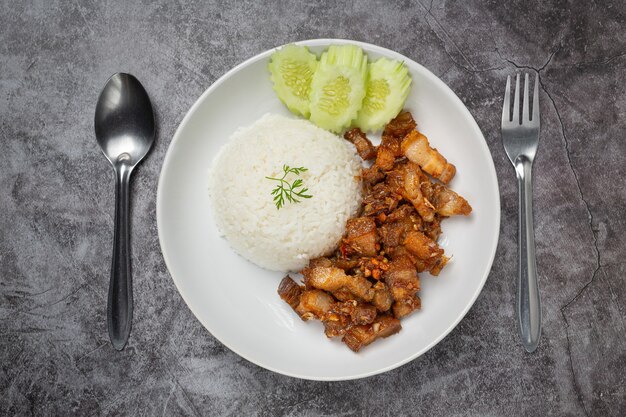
<point x="285" y="239"/>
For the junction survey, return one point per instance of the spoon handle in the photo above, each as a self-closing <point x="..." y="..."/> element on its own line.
<point x="120" y="305"/>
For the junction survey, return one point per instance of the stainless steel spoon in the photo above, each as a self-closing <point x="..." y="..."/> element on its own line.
<point x="124" y="124"/>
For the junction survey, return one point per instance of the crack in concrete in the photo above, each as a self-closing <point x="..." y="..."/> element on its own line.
<point x="29" y="310"/>
<point x="464" y="67"/>
<point x="577" y="389"/>
<point x="66" y="297"/>
<point x="167" y="400"/>
<point x="613" y="298"/>
<point x="598" y="62"/>
<point x="90" y="352"/>
<point x="443" y="29"/>
<point x="558" y="48"/>
<point x="445" y="72"/>
<point x="84" y="19"/>
<point x="185" y="395"/>
<point x="595" y="245"/>
<point x="580" y="191"/>
<point x="538" y="70"/>
<point x="299" y="403"/>
<point x="31" y="65"/>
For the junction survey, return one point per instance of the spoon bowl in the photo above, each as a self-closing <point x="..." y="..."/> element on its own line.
<point x="124" y="125"/>
<point x="124" y="120"/>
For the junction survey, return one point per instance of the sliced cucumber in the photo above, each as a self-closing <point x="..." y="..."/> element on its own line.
<point x="292" y="69"/>
<point x="338" y="87"/>
<point x="388" y="86"/>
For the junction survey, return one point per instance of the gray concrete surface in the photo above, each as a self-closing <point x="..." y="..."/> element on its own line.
<point x="56" y="209"/>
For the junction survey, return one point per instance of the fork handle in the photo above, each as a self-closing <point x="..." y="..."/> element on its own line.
<point x="528" y="302"/>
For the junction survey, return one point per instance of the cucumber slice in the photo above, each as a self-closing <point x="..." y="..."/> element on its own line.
<point x="388" y="86"/>
<point x="292" y="69"/>
<point x="338" y="87"/>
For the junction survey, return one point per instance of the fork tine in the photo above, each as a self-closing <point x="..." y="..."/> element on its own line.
<point x="536" y="101"/>
<point x="526" y="104"/>
<point x="516" y="100"/>
<point x="506" y="105"/>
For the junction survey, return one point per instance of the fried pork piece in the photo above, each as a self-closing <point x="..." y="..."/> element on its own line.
<point x="380" y="199"/>
<point x="402" y="278"/>
<point x="372" y="175"/>
<point x="361" y="236"/>
<point x="448" y="203"/>
<point x="290" y="292"/>
<point x="400" y="126"/>
<point x="434" y="265"/>
<point x="363" y="146"/>
<point x="385" y="158"/>
<point x="344" y="263"/>
<point x="333" y="279"/>
<point x="314" y="304"/>
<point x="438" y="266"/>
<point x="359" y="313"/>
<point x="413" y="191"/>
<point x="389" y="151"/>
<point x="392" y="143"/>
<point x="363" y="335"/>
<point x="382" y="297"/>
<point x="390" y="146"/>
<point x="420" y="245"/>
<point x="308" y="304"/>
<point x="406" y="306"/>
<point x="432" y="229"/>
<point x="343" y="315"/>
<point x="321" y="261"/>
<point x="397" y="224"/>
<point x="404" y="212"/>
<point x="407" y="179"/>
<point x="372" y="267"/>
<point x="344" y="294"/>
<point x="415" y="146"/>
<point x="337" y="326"/>
<point x="404" y="283"/>
<point x="401" y="253"/>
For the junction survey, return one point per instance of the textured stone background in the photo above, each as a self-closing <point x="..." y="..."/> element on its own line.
<point x="56" y="207"/>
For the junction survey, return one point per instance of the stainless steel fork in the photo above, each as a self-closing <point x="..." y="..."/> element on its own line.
<point x="520" y="139"/>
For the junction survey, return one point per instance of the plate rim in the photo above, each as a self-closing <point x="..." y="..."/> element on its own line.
<point x="383" y="51"/>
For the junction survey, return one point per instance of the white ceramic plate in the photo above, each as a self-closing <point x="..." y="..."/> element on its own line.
<point x="237" y="301"/>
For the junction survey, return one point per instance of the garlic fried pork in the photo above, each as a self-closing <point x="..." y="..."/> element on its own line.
<point x="363" y="145"/>
<point x="416" y="147"/>
<point x="371" y="281"/>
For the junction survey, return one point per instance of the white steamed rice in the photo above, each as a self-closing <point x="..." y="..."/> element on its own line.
<point x="285" y="239"/>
